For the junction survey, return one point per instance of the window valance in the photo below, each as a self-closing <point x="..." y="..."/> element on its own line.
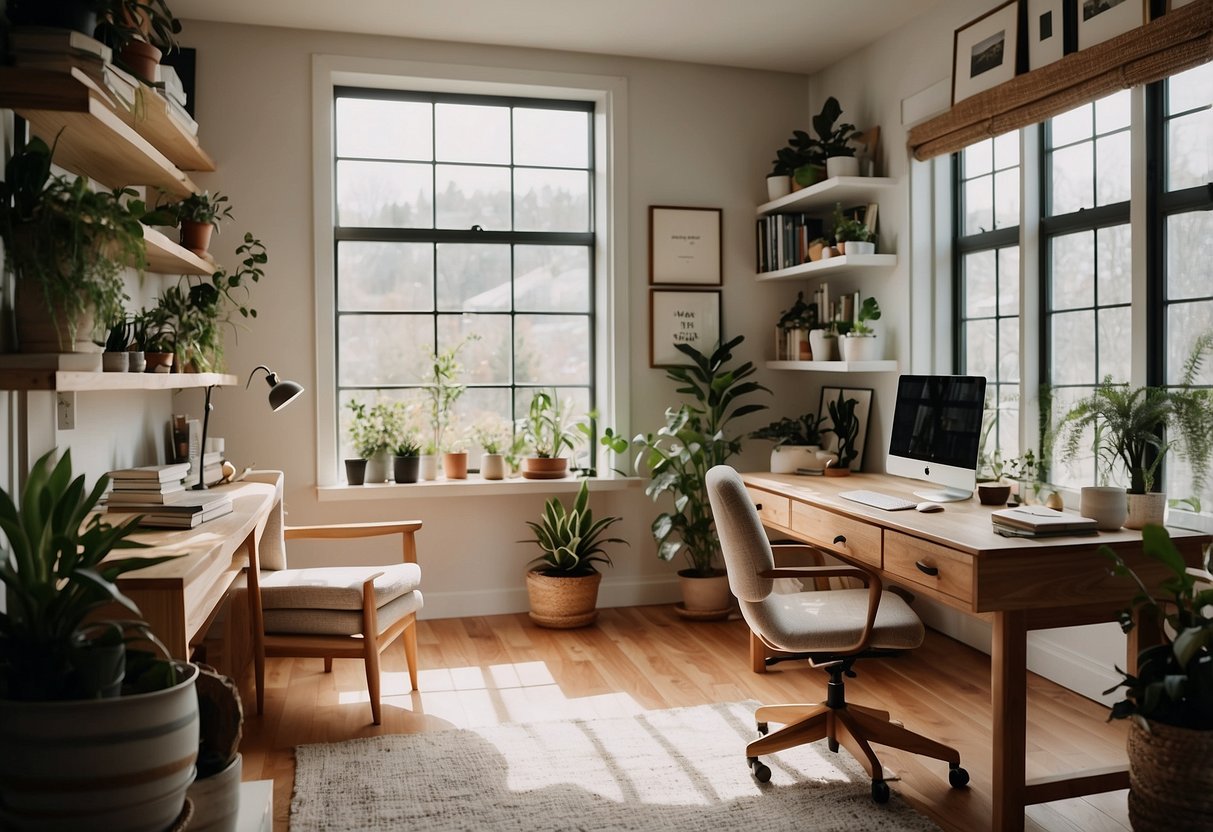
<point x="1179" y="40"/>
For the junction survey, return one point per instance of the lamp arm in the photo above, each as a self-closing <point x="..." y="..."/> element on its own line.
<point x="268" y="373"/>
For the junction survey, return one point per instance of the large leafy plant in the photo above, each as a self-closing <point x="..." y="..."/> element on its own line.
<point x="1135" y="428"/>
<point x="1174" y="679"/>
<point x="572" y="540"/>
<point x="56" y="573"/>
<point x="694" y="438"/>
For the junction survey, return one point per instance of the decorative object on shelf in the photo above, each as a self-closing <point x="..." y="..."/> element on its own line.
<point x="984" y="52"/>
<point x="492" y="435"/>
<point x="1100" y="20"/>
<point x="861" y="343"/>
<point x="823" y="343"/>
<point x="406" y="460"/>
<point x="1107" y="505"/>
<point x="66" y="670"/>
<point x="696" y="437"/>
<point x="66" y="245"/>
<point x="1170" y="697"/>
<point x="797" y="442"/>
<point x="845" y="415"/>
<point x="1127" y="424"/>
<point x="792" y="330"/>
<point x="563" y="583"/>
<point x="684" y="245"/>
<point x="1049" y="31"/>
<point x="549" y="430"/>
<point x="375" y="432"/>
<point x="834" y="138"/>
<point x="682" y="317"/>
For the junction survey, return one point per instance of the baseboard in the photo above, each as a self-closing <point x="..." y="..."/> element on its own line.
<point x="628" y="592"/>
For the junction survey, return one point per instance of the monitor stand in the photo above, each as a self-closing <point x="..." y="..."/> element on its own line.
<point x="946" y="495"/>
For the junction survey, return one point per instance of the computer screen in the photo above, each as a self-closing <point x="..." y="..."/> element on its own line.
<point x="937" y="432"/>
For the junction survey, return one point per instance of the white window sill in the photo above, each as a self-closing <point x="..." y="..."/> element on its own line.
<point x="473" y="486"/>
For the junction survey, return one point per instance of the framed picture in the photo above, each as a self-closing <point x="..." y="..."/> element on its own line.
<point x="863" y="406"/>
<point x="682" y="316"/>
<point x="1099" y="20"/>
<point x="1045" y="32"/>
<point x="684" y="245"/>
<point x="984" y="51"/>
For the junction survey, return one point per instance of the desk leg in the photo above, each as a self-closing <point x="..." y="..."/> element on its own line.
<point x="1009" y="688"/>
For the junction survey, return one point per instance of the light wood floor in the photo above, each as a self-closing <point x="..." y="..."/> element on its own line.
<point x="486" y="670"/>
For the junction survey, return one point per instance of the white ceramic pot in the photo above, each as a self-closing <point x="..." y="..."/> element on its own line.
<point x="824" y="347"/>
<point x="216" y="799"/>
<point x="1146" y="509"/>
<point x="429" y="466"/>
<point x="859" y="247"/>
<point x="705" y="594"/>
<point x="860" y="348"/>
<point x="787" y="459"/>
<point x="378" y="466"/>
<point x="492" y="466"/>
<point x="842" y="166"/>
<point x="778" y="186"/>
<point x="1106" y="505"/>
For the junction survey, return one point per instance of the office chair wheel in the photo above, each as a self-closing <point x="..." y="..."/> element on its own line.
<point x="761" y="773"/>
<point x="958" y="778"/>
<point x="833" y="744"/>
<point x="880" y="791"/>
<point x="763" y="728"/>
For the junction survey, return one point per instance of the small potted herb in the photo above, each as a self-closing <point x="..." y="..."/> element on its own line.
<point x="200" y="215"/>
<point x="492" y="435"/>
<point x="406" y="460"/>
<point x="852" y="235"/>
<point x="115" y="359"/>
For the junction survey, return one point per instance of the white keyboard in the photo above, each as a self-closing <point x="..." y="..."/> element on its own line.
<point x="877" y="500"/>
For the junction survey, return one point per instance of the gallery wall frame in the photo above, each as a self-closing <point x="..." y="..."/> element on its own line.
<point x="682" y="316"/>
<point x="985" y="51"/>
<point x="863" y="407"/>
<point x="1048" y="31"/>
<point x="685" y="245"/>
<point x="1100" y="20"/>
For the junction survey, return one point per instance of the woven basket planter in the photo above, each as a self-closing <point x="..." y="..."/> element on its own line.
<point x="563" y="603"/>
<point x="1170" y="778"/>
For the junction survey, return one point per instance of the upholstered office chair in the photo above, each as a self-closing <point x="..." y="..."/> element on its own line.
<point x="830" y="628"/>
<point x="337" y="611"/>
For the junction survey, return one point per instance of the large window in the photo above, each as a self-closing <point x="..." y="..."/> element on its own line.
<point x="463" y="221"/>
<point x="1104" y="310"/>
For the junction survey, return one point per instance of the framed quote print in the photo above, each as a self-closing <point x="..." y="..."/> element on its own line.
<point x="684" y="245"/>
<point x="682" y="316"/>
<point x="984" y="51"/>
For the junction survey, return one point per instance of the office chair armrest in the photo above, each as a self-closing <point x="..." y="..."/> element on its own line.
<point x="871" y="579"/>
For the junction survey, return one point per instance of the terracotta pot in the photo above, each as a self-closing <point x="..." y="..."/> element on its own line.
<point x="707" y="594"/>
<point x="40" y="329"/>
<point x="1170" y="779"/>
<point x="545" y="468"/>
<point x="563" y="603"/>
<point x="815" y="250"/>
<point x="455" y="465"/>
<point x="158" y="362"/>
<point x="196" y="236"/>
<point x="141" y="58"/>
<point x="837" y="471"/>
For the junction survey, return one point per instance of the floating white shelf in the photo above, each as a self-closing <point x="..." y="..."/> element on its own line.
<point x="847" y="190"/>
<point x="49" y="379"/>
<point x="835" y="366"/>
<point x="832" y="266"/>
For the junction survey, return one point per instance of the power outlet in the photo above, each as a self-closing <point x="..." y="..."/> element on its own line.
<point x="65" y="411"/>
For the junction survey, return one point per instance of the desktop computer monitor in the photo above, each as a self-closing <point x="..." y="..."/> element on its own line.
<point x="937" y="432"/>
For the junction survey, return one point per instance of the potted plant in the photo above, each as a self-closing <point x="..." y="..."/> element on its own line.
<point x="140" y="32"/>
<point x="549" y="431"/>
<point x="835" y="140"/>
<point x="492" y="435"/>
<point x="67" y="673"/>
<point x="852" y="235"/>
<point x="823" y="342"/>
<point x="696" y="437"/>
<point x="159" y="343"/>
<point x="135" y="351"/>
<point x="1169" y="700"/>
<point x="563" y="584"/>
<point x="800" y="164"/>
<point x="455" y="457"/>
<point x="844" y="424"/>
<point x="199" y="216"/>
<point x="375" y="432"/>
<point x="115" y="358"/>
<point x="66" y="245"/>
<point x="406" y="460"/>
<point x="444" y="390"/>
<point x="1135" y="428"/>
<point x="860" y="342"/>
<point x="216" y="791"/>
<point x="793" y="328"/>
<point x="797" y="442"/>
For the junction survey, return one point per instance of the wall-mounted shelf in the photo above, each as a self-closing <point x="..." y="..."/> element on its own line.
<point x="67" y="380"/>
<point x="832" y="266"/>
<point x="95" y="140"/>
<point x="847" y="190"/>
<point x="835" y="366"/>
<point x="166" y="257"/>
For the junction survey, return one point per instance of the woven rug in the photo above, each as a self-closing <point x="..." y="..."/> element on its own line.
<point x="680" y="769"/>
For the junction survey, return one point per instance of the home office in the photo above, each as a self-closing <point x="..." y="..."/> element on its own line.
<point x="265" y="105"/>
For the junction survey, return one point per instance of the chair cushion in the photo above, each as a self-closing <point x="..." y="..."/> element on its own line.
<point x="335" y="587"/>
<point x="339" y="622"/>
<point x="818" y="622"/>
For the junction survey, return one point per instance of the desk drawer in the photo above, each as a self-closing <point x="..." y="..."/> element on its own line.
<point x="953" y="570"/>
<point x="772" y="508"/>
<point x="859" y="541"/>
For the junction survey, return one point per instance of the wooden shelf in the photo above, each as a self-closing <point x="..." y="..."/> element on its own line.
<point x="66" y="380"/>
<point x="847" y="190"/>
<point x="832" y="266"/>
<point x="835" y="366"/>
<point x="95" y="141"/>
<point x="166" y="257"/>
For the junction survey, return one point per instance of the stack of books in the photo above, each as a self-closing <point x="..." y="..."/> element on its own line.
<point x="62" y="50"/>
<point x="169" y="84"/>
<point x="184" y="512"/>
<point x="158" y="479"/>
<point x="1039" y="521"/>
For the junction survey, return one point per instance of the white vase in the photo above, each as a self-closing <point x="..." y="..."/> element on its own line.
<point x="860" y="247"/>
<point x="778" y="186"/>
<point x="1146" y="509"/>
<point x="860" y="348"/>
<point x="842" y="166"/>
<point x="787" y="459"/>
<point x="378" y="465"/>
<point x="824" y="347"/>
<point x="1106" y="505"/>
<point x="429" y="466"/>
<point x="492" y="466"/>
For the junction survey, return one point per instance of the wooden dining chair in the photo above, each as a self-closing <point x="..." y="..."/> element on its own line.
<point x="337" y="611"/>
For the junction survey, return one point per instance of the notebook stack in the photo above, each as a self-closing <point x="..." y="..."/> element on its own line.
<point x="1039" y="521"/>
<point x="64" y="50"/>
<point x="192" y="508"/>
<point x="160" y="495"/>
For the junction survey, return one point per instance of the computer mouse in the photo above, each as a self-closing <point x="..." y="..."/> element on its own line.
<point x="928" y="507"/>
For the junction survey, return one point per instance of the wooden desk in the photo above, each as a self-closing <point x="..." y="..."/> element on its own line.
<point x="955" y="558"/>
<point x="179" y="598"/>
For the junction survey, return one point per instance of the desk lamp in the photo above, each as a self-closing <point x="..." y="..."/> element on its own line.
<point x="281" y="394"/>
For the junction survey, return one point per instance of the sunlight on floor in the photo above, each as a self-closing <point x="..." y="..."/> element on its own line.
<point x="468" y="697"/>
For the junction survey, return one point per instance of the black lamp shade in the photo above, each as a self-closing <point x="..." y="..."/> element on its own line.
<point x="282" y="393"/>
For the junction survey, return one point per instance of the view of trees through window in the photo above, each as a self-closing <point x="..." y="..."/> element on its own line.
<point x="463" y="222"/>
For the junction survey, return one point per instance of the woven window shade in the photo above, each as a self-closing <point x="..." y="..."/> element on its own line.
<point x="1179" y="40"/>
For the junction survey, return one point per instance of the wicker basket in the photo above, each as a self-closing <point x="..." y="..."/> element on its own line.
<point x="563" y="603"/>
<point x="1170" y="778"/>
